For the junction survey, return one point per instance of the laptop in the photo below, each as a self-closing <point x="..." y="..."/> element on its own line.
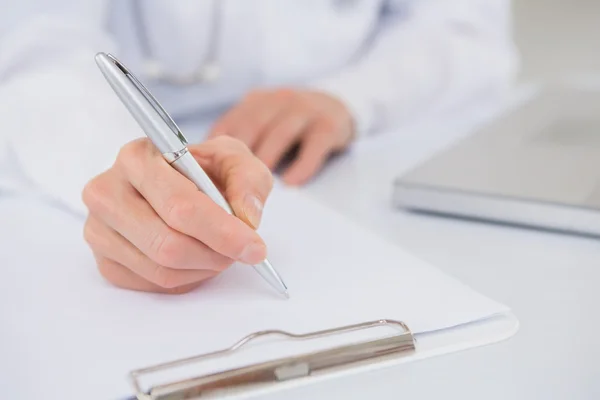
<point x="536" y="165"/>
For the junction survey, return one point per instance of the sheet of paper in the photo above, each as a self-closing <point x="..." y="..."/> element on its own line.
<point x="66" y="332"/>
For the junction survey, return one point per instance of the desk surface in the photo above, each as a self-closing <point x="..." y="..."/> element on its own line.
<point x="550" y="280"/>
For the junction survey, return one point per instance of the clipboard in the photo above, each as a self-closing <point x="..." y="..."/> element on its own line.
<point x="254" y="379"/>
<point x="257" y="376"/>
<point x="121" y="361"/>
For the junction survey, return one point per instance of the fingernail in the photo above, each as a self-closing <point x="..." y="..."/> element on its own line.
<point x="253" y="208"/>
<point x="253" y="253"/>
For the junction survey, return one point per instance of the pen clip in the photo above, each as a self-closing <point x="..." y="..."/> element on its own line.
<point x="164" y="115"/>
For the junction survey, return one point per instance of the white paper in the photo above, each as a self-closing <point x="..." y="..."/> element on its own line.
<point x="66" y="333"/>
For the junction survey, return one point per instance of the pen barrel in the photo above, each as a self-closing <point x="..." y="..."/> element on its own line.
<point x="189" y="167"/>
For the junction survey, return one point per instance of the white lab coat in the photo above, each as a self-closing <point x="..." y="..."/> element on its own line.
<point x="388" y="60"/>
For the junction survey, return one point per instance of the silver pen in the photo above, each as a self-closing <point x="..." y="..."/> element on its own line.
<point x="167" y="137"/>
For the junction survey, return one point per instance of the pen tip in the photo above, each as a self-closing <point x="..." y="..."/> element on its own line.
<point x="286" y="294"/>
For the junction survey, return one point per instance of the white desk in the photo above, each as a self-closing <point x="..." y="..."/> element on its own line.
<point x="551" y="281"/>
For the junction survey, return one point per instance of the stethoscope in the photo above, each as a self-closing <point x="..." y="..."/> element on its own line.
<point x="208" y="71"/>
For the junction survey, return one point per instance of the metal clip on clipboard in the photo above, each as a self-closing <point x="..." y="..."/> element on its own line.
<point x="260" y="375"/>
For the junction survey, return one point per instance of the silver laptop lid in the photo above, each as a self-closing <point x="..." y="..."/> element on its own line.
<point x="541" y="157"/>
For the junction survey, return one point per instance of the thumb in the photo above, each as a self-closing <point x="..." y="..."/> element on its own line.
<point x="247" y="186"/>
<point x="244" y="180"/>
<point x="247" y="204"/>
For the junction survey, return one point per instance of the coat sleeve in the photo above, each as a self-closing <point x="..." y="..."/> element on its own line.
<point x="60" y="124"/>
<point x="426" y="56"/>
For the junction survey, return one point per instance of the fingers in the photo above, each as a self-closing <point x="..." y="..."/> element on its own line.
<point x="151" y="229"/>
<point x="111" y="245"/>
<point x="248" y="120"/>
<point x="122" y="277"/>
<point x="286" y="131"/>
<point x="316" y="146"/>
<point x="122" y="209"/>
<point x="272" y="123"/>
<point x="246" y="181"/>
<point x="185" y="209"/>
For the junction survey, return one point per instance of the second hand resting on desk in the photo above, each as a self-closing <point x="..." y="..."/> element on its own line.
<point x="168" y="139"/>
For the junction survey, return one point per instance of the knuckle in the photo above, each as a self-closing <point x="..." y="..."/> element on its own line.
<point x="133" y="148"/>
<point x="179" y="211"/>
<point x="97" y="193"/>
<point x="232" y="143"/>
<point x="130" y="154"/>
<point x="107" y="270"/>
<point x="251" y="125"/>
<point x="284" y="94"/>
<point x="233" y="163"/>
<point x="329" y="124"/>
<point x="104" y="269"/>
<point x="167" y="248"/>
<point x="304" y="102"/>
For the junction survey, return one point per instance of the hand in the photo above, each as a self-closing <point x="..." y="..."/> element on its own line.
<point x="272" y="122"/>
<point x="151" y="229"/>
